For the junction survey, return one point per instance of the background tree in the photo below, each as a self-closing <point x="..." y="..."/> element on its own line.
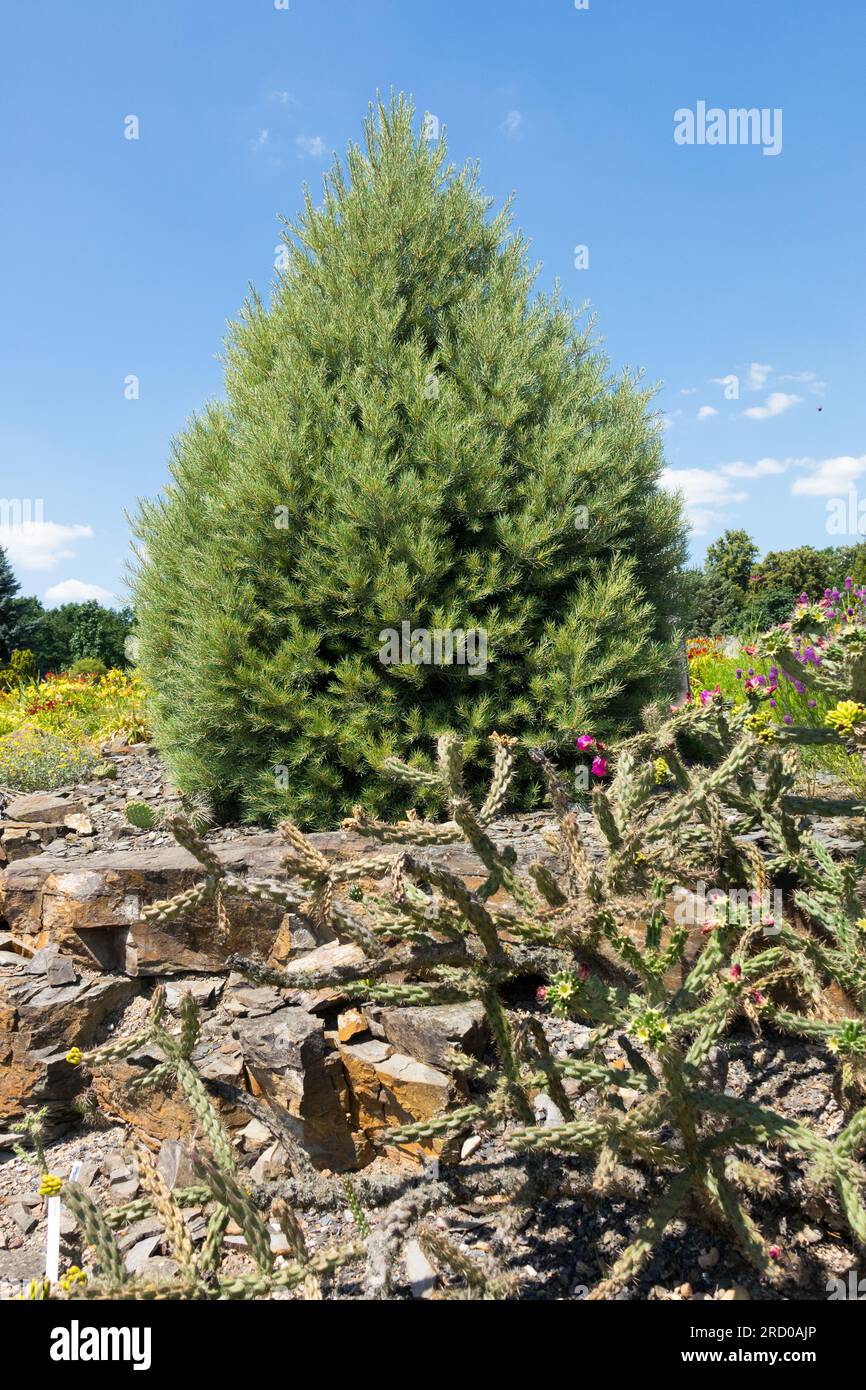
<point x="732" y="557"/>
<point x="98" y="633"/>
<point x="407" y="436"/>
<point x="16" y="617"/>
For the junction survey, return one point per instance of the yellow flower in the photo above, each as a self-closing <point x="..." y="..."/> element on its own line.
<point x="845" y="716"/>
<point x="74" y="1056"/>
<point x="860" y="924"/>
<point x="833" y="1044"/>
<point x="73" y="1276"/>
<point x="50" y="1185"/>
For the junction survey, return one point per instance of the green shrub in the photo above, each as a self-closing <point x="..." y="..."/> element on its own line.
<point x="408" y="437"/>
<point x="87" y="666"/>
<point x="32" y="760"/>
<point x="20" y="671"/>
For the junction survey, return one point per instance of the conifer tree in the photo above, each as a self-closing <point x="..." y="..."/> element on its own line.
<point x="13" y="628"/>
<point x="408" y="436"/>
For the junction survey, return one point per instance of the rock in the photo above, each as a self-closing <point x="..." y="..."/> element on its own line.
<point x="471" y="1146"/>
<point x="51" y="808"/>
<point x="241" y="998"/>
<point x="175" y="1164"/>
<point x="61" y="971"/>
<point x="95" y="913"/>
<point x="429" y="1032"/>
<point x="419" y="1271"/>
<point x="330" y="956"/>
<point x="81" y="824"/>
<point x="22" y="1216"/>
<point x="547" y="1112"/>
<point x="38" y="1025"/>
<point x="203" y="989"/>
<point x="254" y="1136"/>
<point x="158" y="1269"/>
<point x="350" y="1024"/>
<point x="708" y="1259"/>
<point x="19" y="1266"/>
<point x="140" y="1253"/>
<point x="20" y="844"/>
<point x="139" y="1231"/>
<point x="219" y="1061"/>
<point x="271" y="1164"/>
<point x="284" y="1054"/>
<point x="389" y="1089"/>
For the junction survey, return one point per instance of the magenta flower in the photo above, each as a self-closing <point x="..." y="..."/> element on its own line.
<point x="775" y="1252"/>
<point x="599" y="767"/>
<point x="541" y="993"/>
<point x="583" y="973"/>
<point x="736" y="972"/>
<point x="585" y="741"/>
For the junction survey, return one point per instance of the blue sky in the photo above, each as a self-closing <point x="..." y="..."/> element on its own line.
<point x="126" y="257"/>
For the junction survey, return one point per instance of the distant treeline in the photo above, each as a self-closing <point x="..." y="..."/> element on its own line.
<point x="736" y="593"/>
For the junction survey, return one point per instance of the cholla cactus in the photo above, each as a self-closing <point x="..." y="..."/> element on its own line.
<point x="198" y="1275"/>
<point x="572" y="930"/>
<point x="663" y="1000"/>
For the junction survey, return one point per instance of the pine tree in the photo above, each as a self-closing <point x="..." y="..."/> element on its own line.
<point x="12" y="633"/>
<point x="408" y="436"/>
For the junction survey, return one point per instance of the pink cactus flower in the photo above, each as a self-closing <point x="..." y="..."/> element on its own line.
<point x="599" y="767"/>
<point x="736" y="972"/>
<point x="583" y="973"/>
<point x="585" y="741"/>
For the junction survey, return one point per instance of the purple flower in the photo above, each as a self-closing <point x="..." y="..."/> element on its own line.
<point x="812" y="704"/>
<point x="848" y="582"/>
<point x="799" y="687"/>
<point x="739" y="673"/>
<point x="788" y="719"/>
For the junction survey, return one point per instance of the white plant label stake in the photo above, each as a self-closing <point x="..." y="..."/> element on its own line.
<point x="52" y="1236"/>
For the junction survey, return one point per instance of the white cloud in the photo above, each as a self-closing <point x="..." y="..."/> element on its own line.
<point x="707" y="412"/>
<point x="776" y="404"/>
<point x="260" y="141"/>
<point x="706" y="494"/>
<point x="76" y="591"/>
<point x="762" y="469"/>
<point x="39" y="545"/>
<point x="283" y="98"/>
<point x="310" y="146"/>
<point x="688" y="390"/>
<point x="809" y="379"/>
<point x="758" y="373"/>
<point x="830" y="477"/>
<point x="512" y="123"/>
